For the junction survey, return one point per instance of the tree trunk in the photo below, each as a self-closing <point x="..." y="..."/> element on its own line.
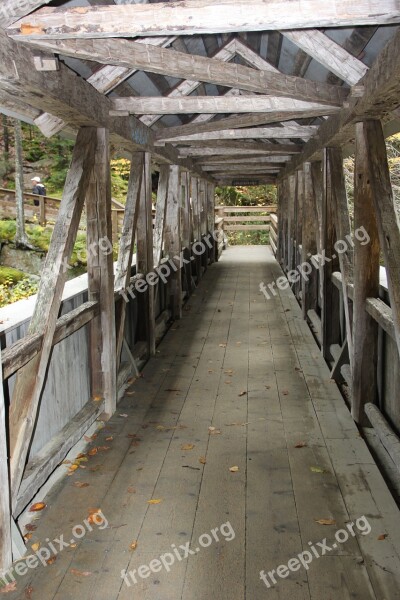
<point x="20" y="235"/>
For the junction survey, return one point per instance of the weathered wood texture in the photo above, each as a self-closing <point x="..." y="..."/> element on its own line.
<point x="366" y="283"/>
<point x="30" y="379"/>
<point x="5" y="516"/>
<point x="172" y="241"/>
<point x="161" y="210"/>
<point x="190" y="17"/>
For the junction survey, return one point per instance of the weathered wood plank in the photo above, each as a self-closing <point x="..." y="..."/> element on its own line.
<point x="329" y="54"/>
<point x="382" y="314"/>
<point x="309" y="243"/>
<point x="366" y="282"/>
<point x="165" y="61"/>
<point x="172" y="240"/>
<point x="5" y="516"/>
<point x="30" y="379"/>
<point x="190" y="17"/>
<point x="161" y="209"/>
<point x="103" y="367"/>
<point x="288" y="131"/>
<point x="385" y="433"/>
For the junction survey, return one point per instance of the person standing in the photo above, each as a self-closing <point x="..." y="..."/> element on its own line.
<point x="38" y="189"/>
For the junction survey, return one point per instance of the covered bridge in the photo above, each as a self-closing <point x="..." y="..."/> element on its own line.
<point x="192" y="422"/>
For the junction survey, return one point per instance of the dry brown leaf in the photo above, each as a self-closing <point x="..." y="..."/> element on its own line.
<point x="91" y="438"/>
<point x="187" y="446"/>
<point x="38" y="506"/>
<point x="202" y="460"/>
<point x="285" y="392"/>
<point x="109" y="438"/>
<point x="214" y="431"/>
<point x="97" y="398"/>
<point x="93" y="513"/>
<point x="154" y="501"/>
<point x="132" y="393"/>
<point x="10" y="587"/>
<point x="300" y="445"/>
<point x="30" y="527"/>
<point x="81" y="573"/>
<point x="229" y="371"/>
<point x="210" y="371"/>
<point x="35" y="546"/>
<point x="243" y="393"/>
<point x="93" y="451"/>
<point x="222" y="345"/>
<point x="325" y="521"/>
<point x="383" y="536"/>
<point x="234" y="469"/>
<point x="28" y="592"/>
<point x="131" y="380"/>
<point x="124" y="415"/>
<point x="28" y="536"/>
<point x="131" y="490"/>
<point x="80" y="484"/>
<point x="51" y="560"/>
<point x="133" y="546"/>
<point x="103" y="448"/>
<point x="80" y="456"/>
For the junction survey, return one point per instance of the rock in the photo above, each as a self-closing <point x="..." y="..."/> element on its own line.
<point x="27" y="261"/>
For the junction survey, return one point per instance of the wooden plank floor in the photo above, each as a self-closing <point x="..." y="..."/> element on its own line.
<point x="249" y="368"/>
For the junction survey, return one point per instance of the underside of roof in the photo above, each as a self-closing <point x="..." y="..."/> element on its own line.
<point x="233" y="89"/>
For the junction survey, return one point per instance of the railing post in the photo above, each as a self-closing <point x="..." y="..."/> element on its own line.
<point x="42" y="211"/>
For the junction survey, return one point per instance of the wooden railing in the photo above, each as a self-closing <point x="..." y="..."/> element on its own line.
<point x="245" y="218"/>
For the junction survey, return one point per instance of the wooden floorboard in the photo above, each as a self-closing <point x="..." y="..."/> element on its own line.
<point x="249" y="369"/>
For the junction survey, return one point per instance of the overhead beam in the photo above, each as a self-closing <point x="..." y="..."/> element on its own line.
<point x="251" y="159"/>
<point x="130" y="54"/>
<point x="190" y="17"/>
<point x="289" y="131"/>
<point x="12" y="10"/>
<point x="381" y="95"/>
<point x="202" y="148"/>
<point x="217" y="105"/>
<point x="329" y="54"/>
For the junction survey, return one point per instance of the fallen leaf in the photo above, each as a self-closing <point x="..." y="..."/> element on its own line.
<point x="81" y="573"/>
<point x="210" y="371"/>
<point x="187" y="446"/>
<point x="202" y="460"/>
<point x="383" y="536"/>
<point x="325" y="521"/>
<point x="10" y="587"/>
<point x="124" y="415"/>
<point x="234" y="469"/>
<point x="229" y="371"/>
<point x="317" y="470"/>
<point x="80" y="456"/>
<point x="131" y="490"/>
<point x="109" y="438"/>
<point x="300" y="445"/>
<point x="93" y="512"/>
<point x="135" y="443"/>
<point x="130" y="393"/>
<point x="103" y="448"/>
<point x="131" y="380"/>
<point x="97" y="398"/>
<point x="28" y="592"/>
<point x="28" y="536"/>
<point x="222" y="345"/>
<point x="37" y="507"/>
<point x="228" y="382"/>
<point x="133" y="546"/>
<point x="154" y="501"/>
<point x="51" y="560"/>
<point x="242" y="393"/>
<point x="213" y="431"/>
<point x="35" y="546"/>
<point x="93" y="451"/>
<point x="80" y="484"/>
<point x="172" y="390"/>
<point x="30" y="527"/>
<point x="91" y="438"/>
<point x="285" y="392"/>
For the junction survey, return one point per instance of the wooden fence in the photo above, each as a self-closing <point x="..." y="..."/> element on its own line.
<point x="244" y="218"/>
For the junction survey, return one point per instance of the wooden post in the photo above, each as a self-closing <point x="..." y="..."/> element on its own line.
<point x="298" y="214"/>
<point x="173" y="241"/>
<point x="127" y="241"/>
<point x="291" y="261"/>
<point x="203" y="219"/>
<point x="102" y="338"/>
<point x="309" y="244"/>
<point x="344" y="246"/>
<point x="366" y="277"/>
<point x="385" y="212"/>
<point x="144" y="256"/>
<point x="211" y="220"/>
<point x="330" y="313"/>
<point x="30" y="379"/>
<point x="317" y="180"/>
<point x="42" y="211"/>
<point x="5" y="513"/>
<point x="195" y="195"/>
<point x="114" y="225"/>
<point x="161" y="211"/>
<point x="186" y="235"/>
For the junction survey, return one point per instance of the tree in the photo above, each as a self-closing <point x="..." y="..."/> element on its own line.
<point x="20" y="235"/>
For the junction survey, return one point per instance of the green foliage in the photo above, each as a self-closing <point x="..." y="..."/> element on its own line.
<point x="7" y="230"/>
<point x="248" y="238"/>
<point x="8" y="275"/>
<point x="257" y="195"/>
<point x="10" y="292"/>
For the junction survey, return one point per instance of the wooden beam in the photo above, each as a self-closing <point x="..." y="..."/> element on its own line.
<point x="189" y="18"/>
<point x="385" y="211"/>
<point x="309" y="243"/>
<point x="126" y="53"/>
<point x="173" y="240"/>
<point x="30" y="379"/>
<point x="217" y="104"/>
<point x="366" y="283"/>
<point x="103" y="368"/>
<point x="381" y="95"/>
<point x="288" y="131"/>
<point x="161" y="211"/>
<point x="250" y="159"/>
<point x="235" y="148"/>
<point x="126" y="244"/>
<point x="5" y="512"/>
<point x="12" y="10"/>
<point x="329" y="54"/>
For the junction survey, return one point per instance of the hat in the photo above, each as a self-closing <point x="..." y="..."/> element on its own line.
<point x="37" y="179"/>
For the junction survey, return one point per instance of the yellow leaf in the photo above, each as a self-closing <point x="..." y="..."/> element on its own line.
<point x="133" y="546"/>
<point x="187" y="446"/>
<point x="35" y="546"/>
<point x="234" y="469"/>
<point x="97" y="398"/>
<point x="37" y="507"/>
<point x="154" y="501"/>
<point x="202" y="460"/>
<point x="325" y="521"/>
<point x="213" y="431"/>
<point x="317" y="470"/>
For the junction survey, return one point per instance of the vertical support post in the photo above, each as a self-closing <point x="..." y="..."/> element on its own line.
<point x="298" y="224"/>
<point x="291" y="261"/>
<point x="114" y="225"/>
<point x="103" y="366"/>
<point x="173" y="241"/>
<point x="343" y="243"/>
<point x="330" y="313"/>
<point x="317" y="179"/>
<point x="42" y="211"/>
<point x="161" y="211"/>
<point x="309" y="244"/>
<point x="127" y="241"/>
<point x="203" y="218"/>
<point x="196" y="201"/>
<point x="145" y="256"/>
<point x="211" y="220"/>
<point x="186" y="231"/>
<point x="5" y="512"/>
